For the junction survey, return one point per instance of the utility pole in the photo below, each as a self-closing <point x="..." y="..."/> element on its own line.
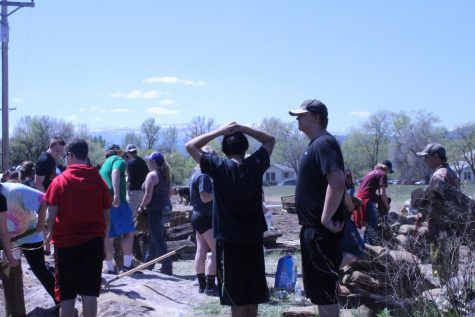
<point x="5" y="35"/>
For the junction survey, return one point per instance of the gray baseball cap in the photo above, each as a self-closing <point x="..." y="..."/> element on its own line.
<point x="131" y="148"/>
<point x="433" y="149"/>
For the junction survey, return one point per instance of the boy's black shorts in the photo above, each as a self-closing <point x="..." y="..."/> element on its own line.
<point x="79" y="269"/>
<point x="241" y="273"/>
<point x="321" y="258"/>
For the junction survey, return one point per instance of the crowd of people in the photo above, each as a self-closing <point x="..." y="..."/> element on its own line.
<point x="82" y="210"/>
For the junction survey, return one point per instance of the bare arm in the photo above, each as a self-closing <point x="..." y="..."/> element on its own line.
<point x="107" y="221"/>
<point x="333" y="197"/>
<point x="150" y="181"/>
<point x="267" y="140"/>
<point x="40" y="226"/>
<point x="206" y="197"/>
<point x="5" y="238"/>
<point x="51" y="217"/>
<point x="39" y="183"/>
<point x="116" y="187"/>
<point x="194" y="145"/>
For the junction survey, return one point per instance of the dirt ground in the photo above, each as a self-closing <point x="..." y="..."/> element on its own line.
<point x="154" y="294"/>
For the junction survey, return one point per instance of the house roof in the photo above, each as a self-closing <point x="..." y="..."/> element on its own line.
<point x="283" y="167"/>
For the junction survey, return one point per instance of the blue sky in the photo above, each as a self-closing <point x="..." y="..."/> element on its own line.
<point x="112" y="64"/>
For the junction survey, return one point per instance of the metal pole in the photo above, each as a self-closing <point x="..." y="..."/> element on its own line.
<point x="5" y="136"/>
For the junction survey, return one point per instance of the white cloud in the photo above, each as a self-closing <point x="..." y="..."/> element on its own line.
<point x="117" y="94"/>
<point x="174" y="80"/>
<point x="163" y="80"/>
<point x="18" y="100"/>
<point x="134" y="94"/>
<point x="121" y="110"/>
<point x="151" y="94"/>
<point x="195" y="83"/>
<point x="72" y="117"/>
<point x="161" y="110"/>
<point x="167" y="102"/>
<point x="361" y="114"/>
<point x="89" y="109"/>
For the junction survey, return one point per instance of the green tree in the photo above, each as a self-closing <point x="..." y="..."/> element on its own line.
<point x="31" y="136"/>
<point x="181" y="167"/>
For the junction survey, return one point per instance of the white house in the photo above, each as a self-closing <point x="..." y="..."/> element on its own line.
<point x="277" y="172"/>
<point x="466" y="176"/>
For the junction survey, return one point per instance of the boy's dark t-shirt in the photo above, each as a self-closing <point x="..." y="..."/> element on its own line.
<point x="46" y="166"/>
<point x="237" y="204"/>
<point x="322" y="156"/>
<point x="3" y="203"/>
<point x="137" y="171"/>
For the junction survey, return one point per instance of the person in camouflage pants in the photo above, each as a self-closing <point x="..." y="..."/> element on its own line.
<point x="440" y="209"/>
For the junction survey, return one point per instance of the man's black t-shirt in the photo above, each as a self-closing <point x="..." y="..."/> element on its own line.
<point x="322" y="156"/>
<point x="3" y="203"/>
<point x="137" y="171"/>
<point x="46" y="166"/>
<point x="237" y="204"/>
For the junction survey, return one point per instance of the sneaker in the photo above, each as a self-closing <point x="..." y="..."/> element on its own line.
<point x="128" y="268"/>
<point x="166" y="272"/>
<point x="212" y="291"/>
<point x="107" y="271"/>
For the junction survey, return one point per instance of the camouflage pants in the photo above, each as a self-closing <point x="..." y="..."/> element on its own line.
<point x="445" y="257"/>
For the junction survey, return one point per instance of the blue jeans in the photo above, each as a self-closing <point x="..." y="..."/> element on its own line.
<point x="371" y="232"/>
<point x="157" y="245"/>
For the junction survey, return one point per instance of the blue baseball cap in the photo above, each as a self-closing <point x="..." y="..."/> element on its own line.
<point x="157" y="157"/>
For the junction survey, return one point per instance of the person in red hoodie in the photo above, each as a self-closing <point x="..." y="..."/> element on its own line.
<point x="78" y="217"/>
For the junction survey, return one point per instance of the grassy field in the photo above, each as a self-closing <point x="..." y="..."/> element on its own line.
<point x="398" y="193"/>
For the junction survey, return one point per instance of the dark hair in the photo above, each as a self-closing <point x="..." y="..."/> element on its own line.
<point x="26" y="170"/>
<point x="56" y="140"/>
<point x="109" y="153"/>
<point x="14" y="175"/>
<point x="323" y="118"/>
<point x="234" y="144"/>
<point x="79" y="148"/>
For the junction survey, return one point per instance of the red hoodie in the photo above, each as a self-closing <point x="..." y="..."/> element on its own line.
<point x="81" y="196"/>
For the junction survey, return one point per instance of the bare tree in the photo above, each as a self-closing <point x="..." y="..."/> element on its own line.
<point x="466" y="143"/>
<point x="133" y="137"/>
<point x="290" y="142"/>
<point x="198" y="126"/>
<point x="377" y="128"/>
<point x="169" y="140"/>
<point x="150" y="130"/>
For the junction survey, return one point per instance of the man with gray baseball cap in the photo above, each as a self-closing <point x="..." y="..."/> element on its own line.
<point x="432" y="149"/>
<point x="443" y="186"/>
